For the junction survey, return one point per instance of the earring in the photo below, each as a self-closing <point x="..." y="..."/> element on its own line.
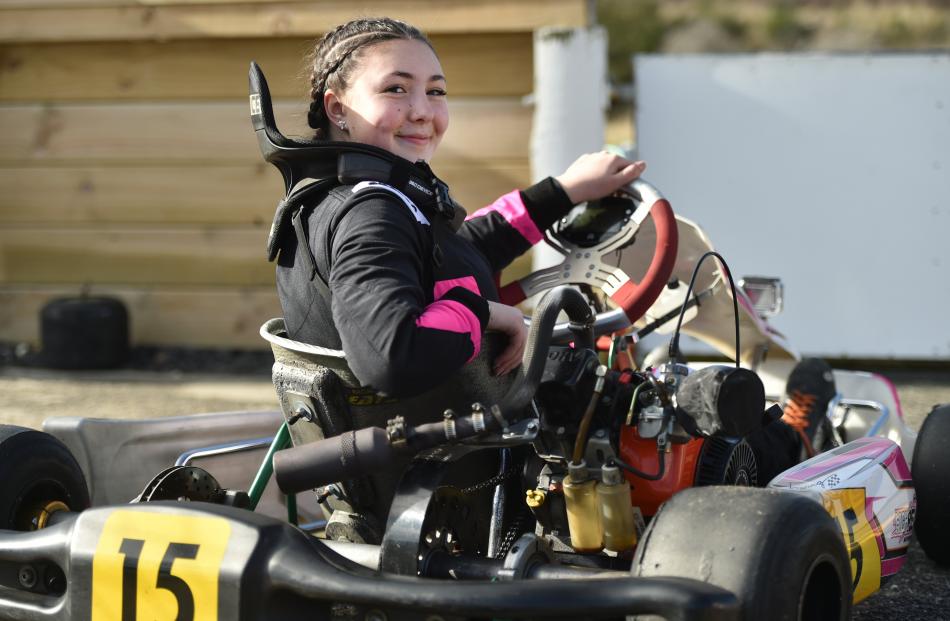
<point x="342" y="124"/>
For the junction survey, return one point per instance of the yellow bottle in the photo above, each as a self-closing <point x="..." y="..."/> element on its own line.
<point x="583" y="509"/>
<point x="616" y="511"/>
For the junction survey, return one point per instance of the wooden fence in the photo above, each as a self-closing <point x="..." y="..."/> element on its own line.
<point x="128" y="165"/>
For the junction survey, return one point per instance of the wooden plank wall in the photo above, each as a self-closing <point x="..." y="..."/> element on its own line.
<point x="128" y="165"/>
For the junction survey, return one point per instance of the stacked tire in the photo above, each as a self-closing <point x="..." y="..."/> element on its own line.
<point x="84" y="333"/>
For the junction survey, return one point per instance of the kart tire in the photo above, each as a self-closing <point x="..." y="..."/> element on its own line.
<point x="780" y="553"/>
<point x="930" y="469"/>
<point x="37" y="470"/>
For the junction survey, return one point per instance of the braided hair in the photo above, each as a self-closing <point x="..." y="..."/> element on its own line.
<point x="336" y="54"/>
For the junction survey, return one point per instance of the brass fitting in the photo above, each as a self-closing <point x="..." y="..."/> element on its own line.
<point x="535" y="497"/>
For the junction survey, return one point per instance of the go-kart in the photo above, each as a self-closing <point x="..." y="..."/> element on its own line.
<point x="581" y="487"/>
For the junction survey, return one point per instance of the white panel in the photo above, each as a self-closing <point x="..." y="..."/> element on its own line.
<point x="566" y="60"/>
<point x="830" y="171"/>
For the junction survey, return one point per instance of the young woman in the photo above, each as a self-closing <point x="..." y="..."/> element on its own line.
<point x="409" y="292"/>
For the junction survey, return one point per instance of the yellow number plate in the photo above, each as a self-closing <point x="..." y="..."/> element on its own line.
<point x="158" y="566"/>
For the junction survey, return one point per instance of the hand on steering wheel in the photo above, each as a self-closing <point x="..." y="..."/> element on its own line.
<point x="595" y="175"/>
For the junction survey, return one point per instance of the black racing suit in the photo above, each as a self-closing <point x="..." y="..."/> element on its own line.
<point x="407" y="291"/>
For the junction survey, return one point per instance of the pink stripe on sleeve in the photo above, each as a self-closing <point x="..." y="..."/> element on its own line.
<point x="512" y="209"/>
<point x="443" y="286"/>
<point x="453" y="316"/>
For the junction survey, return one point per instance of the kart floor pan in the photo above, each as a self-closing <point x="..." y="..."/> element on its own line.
<point x="119" y="457"/>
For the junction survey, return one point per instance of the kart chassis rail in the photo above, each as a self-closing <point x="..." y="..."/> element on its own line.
<point x="272" y="565"/>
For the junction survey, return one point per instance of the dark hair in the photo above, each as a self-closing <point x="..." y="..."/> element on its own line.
<point x="336" y="54"/>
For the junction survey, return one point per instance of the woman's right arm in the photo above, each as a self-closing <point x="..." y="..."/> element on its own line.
<point x="396" y="340"/>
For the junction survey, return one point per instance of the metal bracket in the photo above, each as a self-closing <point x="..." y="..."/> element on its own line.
<point x="599" y="451"/>
<point x="525" y="431"/>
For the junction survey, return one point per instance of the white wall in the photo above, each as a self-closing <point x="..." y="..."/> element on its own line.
<point x="830" y="171"/>
<point x="566" y="60"/>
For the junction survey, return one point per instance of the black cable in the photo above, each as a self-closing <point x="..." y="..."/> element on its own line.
<point x="696" y="300"/>
<point x="675" y="341"/>
<point x="649" y="477"/>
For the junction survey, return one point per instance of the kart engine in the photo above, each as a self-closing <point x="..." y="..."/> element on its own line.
<point x="614" y="445"/>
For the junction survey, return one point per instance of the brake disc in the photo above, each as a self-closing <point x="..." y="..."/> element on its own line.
<point x="182" y="483"/>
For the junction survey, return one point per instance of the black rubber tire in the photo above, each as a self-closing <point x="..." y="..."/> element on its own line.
<point x="37" y="468"/>
<point x="84" y="333"/>
<point x="780" y="553"/>
<point x="931" y="473"/>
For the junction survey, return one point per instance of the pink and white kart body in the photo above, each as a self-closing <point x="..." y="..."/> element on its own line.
<point x="867" y="404"/>
<point x="866" y="487"/>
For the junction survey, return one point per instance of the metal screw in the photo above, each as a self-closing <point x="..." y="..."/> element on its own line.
<point x="55" y="582"/>
<point x="375" y="615"/>
<point x="27" y="577"/>
<point x="302" y="411"/>
<point x="531" y="426"/>
<point x="600" y="433"/>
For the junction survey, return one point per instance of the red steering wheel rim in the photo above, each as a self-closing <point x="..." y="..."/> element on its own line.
<point x="634" y="298"/>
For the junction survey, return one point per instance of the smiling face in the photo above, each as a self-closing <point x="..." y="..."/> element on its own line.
<point x="395" y="100"/>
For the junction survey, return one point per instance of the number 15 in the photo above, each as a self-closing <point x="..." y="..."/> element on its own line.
<point x="131" y="549"/>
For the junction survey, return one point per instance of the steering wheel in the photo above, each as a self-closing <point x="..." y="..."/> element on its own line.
<point x="585" y="238"/>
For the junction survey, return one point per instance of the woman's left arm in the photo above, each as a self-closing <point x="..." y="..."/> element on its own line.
<point x="514" y="222"/>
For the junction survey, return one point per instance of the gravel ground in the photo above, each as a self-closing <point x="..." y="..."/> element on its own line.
<point x="921" y="591"/>
<point x="30" y="396"/>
